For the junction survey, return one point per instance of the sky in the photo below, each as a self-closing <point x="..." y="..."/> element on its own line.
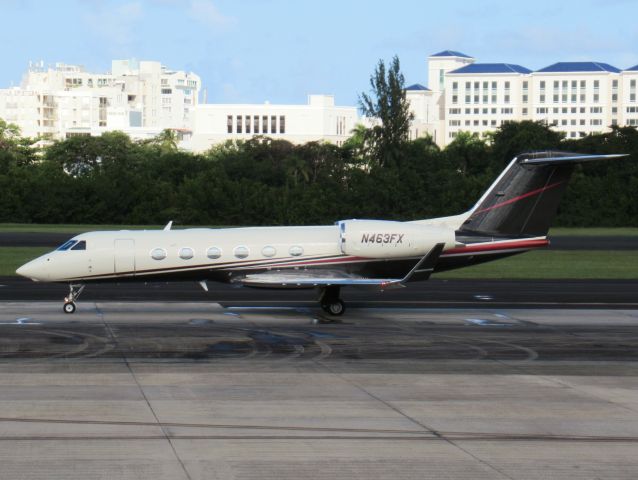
<point x="251" y="51"/>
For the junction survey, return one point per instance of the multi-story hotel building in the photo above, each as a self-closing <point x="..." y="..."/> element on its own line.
<point x="139" y="98"/>
<point x="577" y="98"/>
<point x="319" y="119"/>
<point x="143" y="98"/>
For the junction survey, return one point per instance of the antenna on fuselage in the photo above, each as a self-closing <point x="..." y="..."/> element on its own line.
<point x="168" y="225"/>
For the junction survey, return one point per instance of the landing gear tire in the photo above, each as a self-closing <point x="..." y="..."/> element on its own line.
<point x="330" y="301"/>
<point x="69" y="307"/>
<point x="75" y="290"/>
<point x="336" y="308"/>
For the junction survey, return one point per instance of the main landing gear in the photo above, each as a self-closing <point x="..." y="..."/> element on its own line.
<point x="330" y="301"/>
<point x="74" y="293"/>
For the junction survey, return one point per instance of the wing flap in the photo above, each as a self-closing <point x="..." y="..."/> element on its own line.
<point x="318" y="278"/>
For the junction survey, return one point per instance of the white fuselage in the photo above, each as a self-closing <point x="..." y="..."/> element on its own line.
<point x="125" y="253"/>
<point x="219" y="254"/>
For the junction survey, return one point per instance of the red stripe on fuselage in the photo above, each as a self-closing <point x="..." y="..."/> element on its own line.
<point x="484" y="247"/>
<point x="520" y="197"/>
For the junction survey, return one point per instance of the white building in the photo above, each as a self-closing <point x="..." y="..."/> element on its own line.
<point x="577" y="98"/>
<point x="319" y="119"/>
<point x="139" y="98"/>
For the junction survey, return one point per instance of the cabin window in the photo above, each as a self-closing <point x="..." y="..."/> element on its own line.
<point x="213" y="253"/>
<point x="296" y="250"/>
<point x="268" y="251"/>
<point x="158" y="254"/>
<point x="186" y="253"/>
<point x="65" y="246"/>
<point x="241" y="251"/>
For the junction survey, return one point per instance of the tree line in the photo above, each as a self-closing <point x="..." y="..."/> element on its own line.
<point x="377" y="173"/>
<point x="113" y="179"/>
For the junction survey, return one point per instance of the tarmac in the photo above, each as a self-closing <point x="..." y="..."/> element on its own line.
<point x="192" y="390"/>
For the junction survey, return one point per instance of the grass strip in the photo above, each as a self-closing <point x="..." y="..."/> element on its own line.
<point x="555" y="264"/>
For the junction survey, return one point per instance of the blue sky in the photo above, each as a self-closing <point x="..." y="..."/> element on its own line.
<point x="282" y="50"/>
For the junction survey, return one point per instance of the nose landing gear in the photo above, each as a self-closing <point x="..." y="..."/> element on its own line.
<point x="330" y="301"/>
<point x="74" y="293"/>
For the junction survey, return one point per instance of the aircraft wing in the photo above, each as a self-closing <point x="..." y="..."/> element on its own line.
<point x="320" y="277"/>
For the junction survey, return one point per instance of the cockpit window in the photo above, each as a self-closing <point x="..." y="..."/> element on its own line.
<point x="81" y="245"/>
<point x="65" y="246"/>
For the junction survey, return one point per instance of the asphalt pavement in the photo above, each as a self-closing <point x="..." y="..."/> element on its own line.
<point x="433" y="293"/>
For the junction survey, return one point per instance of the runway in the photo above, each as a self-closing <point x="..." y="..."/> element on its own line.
<point x="433" y="293"/>
<point x="193" y="390"/>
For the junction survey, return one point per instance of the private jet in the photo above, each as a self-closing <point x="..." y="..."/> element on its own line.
<point x="512" y="216"/>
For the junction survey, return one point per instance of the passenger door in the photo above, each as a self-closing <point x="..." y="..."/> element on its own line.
<point x="125" y="256"/>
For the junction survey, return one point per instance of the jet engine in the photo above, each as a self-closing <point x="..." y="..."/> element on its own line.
<point x="387" y="239"/>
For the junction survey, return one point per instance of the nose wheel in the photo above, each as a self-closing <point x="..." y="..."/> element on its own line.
<point x="330" y="301"/>
<point x="74" y="294"/>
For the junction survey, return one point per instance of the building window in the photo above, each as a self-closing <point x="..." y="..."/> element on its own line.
<point x="596" y="98"/>
<point x="256" y="123"/>
<point x="493" y="98"/>
<point x="455" y="98"/>
<point x="524" y="98"/>
<point x="507" y="86"/>
<point x="485" y="97"/>
<point x="542" y="99"/>
<point x="507" y="99"/>
<point x="229" y="123"/>
<point x="264" y="124"/>
<point x="468" y="99"/>
<point x="273" y="124"/>
<point x="455" y="85"/>
<point x="583" y="84"/>
<point x="239" y="123"/>
<point x="282" y="125"/>
<point x="525" y="86"/>
<point x="468" y="85"/>
<point x="556" y="98"/>
<point x="247" y="121"/>
<point x="574" y="97"/>
<point x="166" y="91"/>
<point x="542" y="85"/>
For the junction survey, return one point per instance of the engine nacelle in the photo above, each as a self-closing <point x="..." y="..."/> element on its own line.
<point x="387" y="239"/>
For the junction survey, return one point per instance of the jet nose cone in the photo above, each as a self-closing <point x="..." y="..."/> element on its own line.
<point x="32" y="270"/>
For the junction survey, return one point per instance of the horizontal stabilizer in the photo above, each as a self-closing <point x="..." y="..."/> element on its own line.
<point x="575" y="158"/>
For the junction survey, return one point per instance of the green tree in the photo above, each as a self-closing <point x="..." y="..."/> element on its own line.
<point x="386" y="104"/>
<point x="166" y="141"/>
<point x="513" y="138"/>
